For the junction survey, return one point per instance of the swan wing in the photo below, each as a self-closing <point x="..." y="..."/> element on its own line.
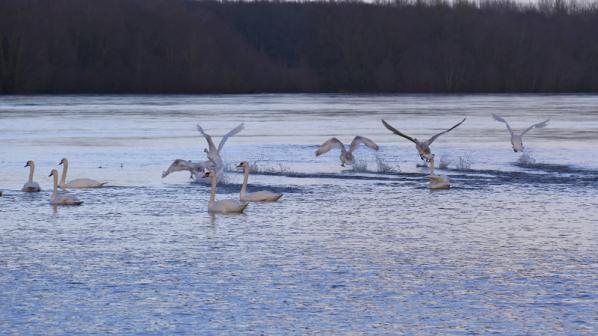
<point x="443" y="132"/>
<point x="502" y="120"/>
<point x="538" y="125"/>
<point x="397" y="132"/>
<point x="208" y="138"/>
<point x="230" y="133"/>
<point x="362" y="140"/>
<point x="330" y="144"/>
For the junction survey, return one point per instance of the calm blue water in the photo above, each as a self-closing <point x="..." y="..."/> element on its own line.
<point x="511" y="248"/>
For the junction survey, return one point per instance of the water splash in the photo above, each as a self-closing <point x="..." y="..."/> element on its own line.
<point x="526" y="158"/>
<point x="279" y="169"/>
<point x="359" y="166"/>
<point x="445" y="160"/>
<point x="464" y="162"/>
<point x="383" y="167"/>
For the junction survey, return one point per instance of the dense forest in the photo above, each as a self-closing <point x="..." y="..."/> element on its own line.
<point x="178" y="46"/>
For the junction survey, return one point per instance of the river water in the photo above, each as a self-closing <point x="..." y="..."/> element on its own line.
<point x="510" y="248"/>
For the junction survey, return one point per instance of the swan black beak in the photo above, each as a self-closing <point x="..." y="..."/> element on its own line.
<point x="26" y="165"/>
<point x="50" y="175"/>
<point x="60" y="163"/>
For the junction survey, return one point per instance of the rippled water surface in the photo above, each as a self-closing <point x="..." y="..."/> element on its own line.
<point x="510" y="248"/>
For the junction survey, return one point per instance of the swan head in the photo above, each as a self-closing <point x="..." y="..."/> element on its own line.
<point x="29" y="163"/>
<point x="64" y="160"/>
<point x="209" y="173"/>
<point x="205" y="150"/>
<point x="243" y="164"/>
<point x="53" y="172"/>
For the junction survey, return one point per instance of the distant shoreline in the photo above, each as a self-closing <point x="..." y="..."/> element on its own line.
<point x="130" y="47"/>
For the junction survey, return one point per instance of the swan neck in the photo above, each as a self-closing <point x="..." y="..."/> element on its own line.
<point x="31" y="169"/>
<point x="245" y="180"/>
<point x="213" y="191"/>
<point x="65" y="168"/>
<point x="55" y="191"/>
<point x="432" y="166"/>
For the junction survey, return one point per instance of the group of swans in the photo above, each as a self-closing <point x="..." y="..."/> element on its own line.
<point x="214" y="159"/>
<point x="232" y="205"/>
<point x="422" y="147"/>
<point x="58" y="198"/>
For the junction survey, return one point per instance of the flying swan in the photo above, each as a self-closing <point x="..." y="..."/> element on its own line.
<point x="225" y="205"/>
<point x="195" y="168"/>
<point x="76" y="183"/>
<point x="258" y="196"/>
<point x="346" y="156"/>
<point x="31" y="186"/>
<point x="212" y="152"/>
<point x="516" y="139"/>
<point x="60" y="199"/>
<point x="423" y="147"/>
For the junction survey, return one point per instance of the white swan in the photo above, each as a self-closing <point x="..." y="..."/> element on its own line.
<point x="225" y="205"/>
<point x="213" y="153"/>
<point x="516" y="139"/>
<point x="436" y="181"/>
<point x="31" y="186"/>
<point x="60" y="199"/>
<point x="346" y="156"/>
<point x="423" y="147"/>
<point x="258" y="196"/>
<point x="195" y="168"/>
<point x="77" y="183"/>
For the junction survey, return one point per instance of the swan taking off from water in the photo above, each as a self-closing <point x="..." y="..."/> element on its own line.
<point x="225" y="205"/>
<point x="437" y="181"/>
<point x="346" y="156"/>
<point x="31" y="186"/>
<point x="212" y="152"/>
<point x="195" y="168"/>
<point x="258" y="196"/>
<point x="77" y="183"/>
<point x="516" y="139"/>
<point x="423" y="147"/>
<point x="60" y="199"/>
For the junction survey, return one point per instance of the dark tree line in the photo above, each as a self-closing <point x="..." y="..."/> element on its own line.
<point x="177" y="46"/>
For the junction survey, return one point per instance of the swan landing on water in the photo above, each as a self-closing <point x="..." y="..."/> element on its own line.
<point x="423" y="147"/>
<point x="58" y="198"/>
<point x="258" y="196"/>
<point x="30" y="186"/>
<point x="346" y="156"/>
<point x="195" y="168"/>
<point x="225" y="205"/>
<point x="212" y="152"/>
<point x="76" y="183"/>
<point x="516" y="139"/>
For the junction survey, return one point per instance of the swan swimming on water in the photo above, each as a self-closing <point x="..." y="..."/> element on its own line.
<point x="423" y="147"/>
<point x="346" y="156"/>
<point x="76" y="183"/>
<point x="258" y="196"/>
<point x="516" y="139"/>
<point x="195" y="168"/>
<point x="437" y="181"/>
<point x="225" y="205"/>
<point x="30" y="186"/>
<point x="60" y="199"/>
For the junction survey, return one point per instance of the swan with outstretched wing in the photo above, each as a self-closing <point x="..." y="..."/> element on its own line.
<point x="213" y="152"/>
<point x="517" y="139"/>
<point x="346" y="155"/>
<point x="423" y="147"/>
